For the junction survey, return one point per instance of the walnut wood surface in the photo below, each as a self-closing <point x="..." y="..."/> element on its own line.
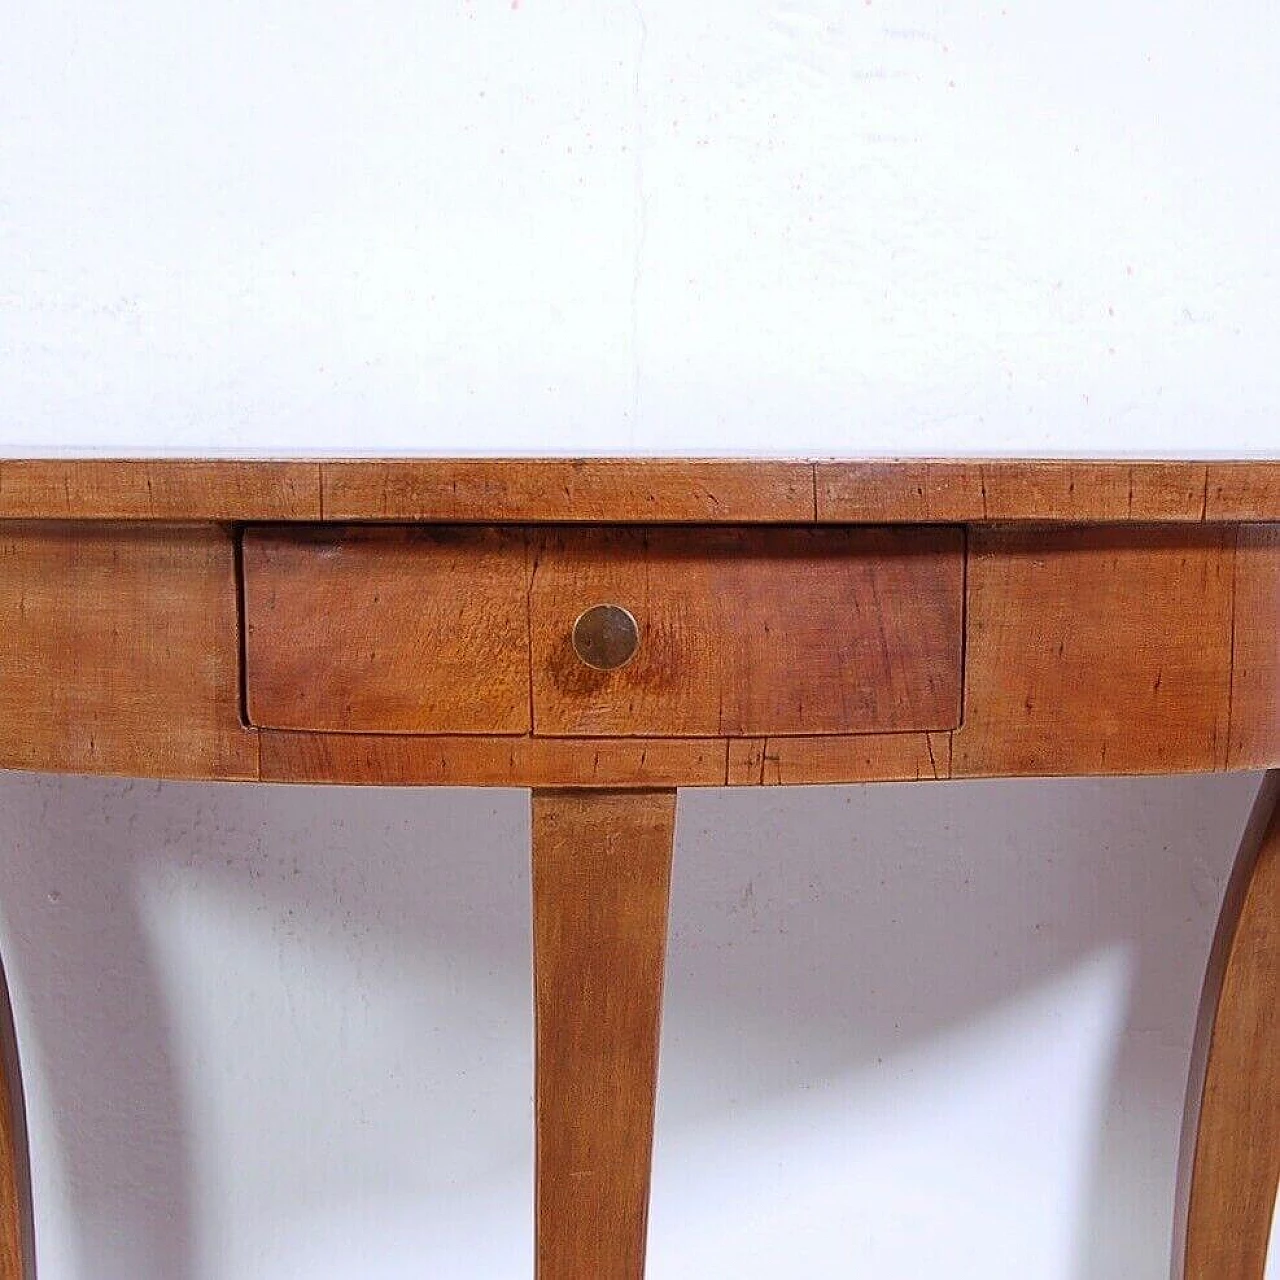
<point x="16" y="1226"/>
<point x="756" y="632"/>
<point x="743" y="631"/>
<point x="169" y="489"/>
<point x="1255" y="658"/>
<point x="499" y="762"/>
<point x="393" y="630"/>
<point x="1011" y="489"/>
<point x="601" y="881"/>
<point x="623" y="490"/>
<point x="1090" y="649"/>
<point x="407" y="760"/>
<point x="644" y="491"/>
<point x="1234" y="1131"/>
<point x="120" y="651"/>
<point x="12" y="1155"/>
<point x="882" y="757"/>
<point x="1097" y="650"/>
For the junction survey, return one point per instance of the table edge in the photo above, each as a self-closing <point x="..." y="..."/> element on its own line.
<point x="642" y="490"/>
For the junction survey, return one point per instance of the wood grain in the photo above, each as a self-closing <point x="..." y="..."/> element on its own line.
<point x="1233" y="1129"/>
<point x="1092" y="649"/>
<point x="883" y="757"/>
<point x="16" y="1225"/>
<point x="1255" y="659"/>
<point x="121" y="651"/>
<point x="1139" y="491"/>
<point x="1046" y="490"/>
<point x="606" y="763"/>
<point x="1243" y="491"/>
<point x="169" y="489"/>
<point x="492" y="762"/>
<point x="641" y="490"/>
<point x="583" y="489"/>
<point x="1097" y="650"/>
<point x="601" y="883"/>
<point x="903" y="492"/>
<point x="396" y="630"/>
<point x="753" y="631"/>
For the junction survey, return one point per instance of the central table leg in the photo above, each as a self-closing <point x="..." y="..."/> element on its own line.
<point x="601" y="882"/>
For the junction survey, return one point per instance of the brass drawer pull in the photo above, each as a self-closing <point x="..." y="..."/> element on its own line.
<point x="606" y="637"/>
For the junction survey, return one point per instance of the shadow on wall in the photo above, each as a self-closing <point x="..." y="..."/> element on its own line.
<point x="911" y="1031"/>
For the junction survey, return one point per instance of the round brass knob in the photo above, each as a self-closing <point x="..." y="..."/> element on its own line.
<point x="606" y="637"/>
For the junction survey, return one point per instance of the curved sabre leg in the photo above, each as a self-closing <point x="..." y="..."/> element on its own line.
<point x="17" y="1251"/>
<point x="1231" y="1138"/>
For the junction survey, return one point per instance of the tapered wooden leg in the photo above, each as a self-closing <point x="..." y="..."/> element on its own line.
<point x="601" y="882"/>
<point x="15" y="1216"/>
<point x="1231" y="1142"/>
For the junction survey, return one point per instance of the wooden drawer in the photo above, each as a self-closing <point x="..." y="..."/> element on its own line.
<point x="753" y="631"/>
<point x="393" y="630"/>
<point x="468" y="630"/>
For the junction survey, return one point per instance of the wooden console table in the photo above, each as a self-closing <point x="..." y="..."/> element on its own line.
<point x="606" y="631"/>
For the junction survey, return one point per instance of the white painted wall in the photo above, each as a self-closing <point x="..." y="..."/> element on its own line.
<point x="831" y="226"/>
<point x="284" y="1034"/>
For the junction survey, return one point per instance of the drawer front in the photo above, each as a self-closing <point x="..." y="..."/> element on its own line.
<point x="752" y="631"/>
<point x="392" y="630"/>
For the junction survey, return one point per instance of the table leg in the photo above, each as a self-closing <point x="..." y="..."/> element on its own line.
<point x="15" y="1199"/>
<point x="1231" y="1140"/>
<point x="601" y="882"/>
